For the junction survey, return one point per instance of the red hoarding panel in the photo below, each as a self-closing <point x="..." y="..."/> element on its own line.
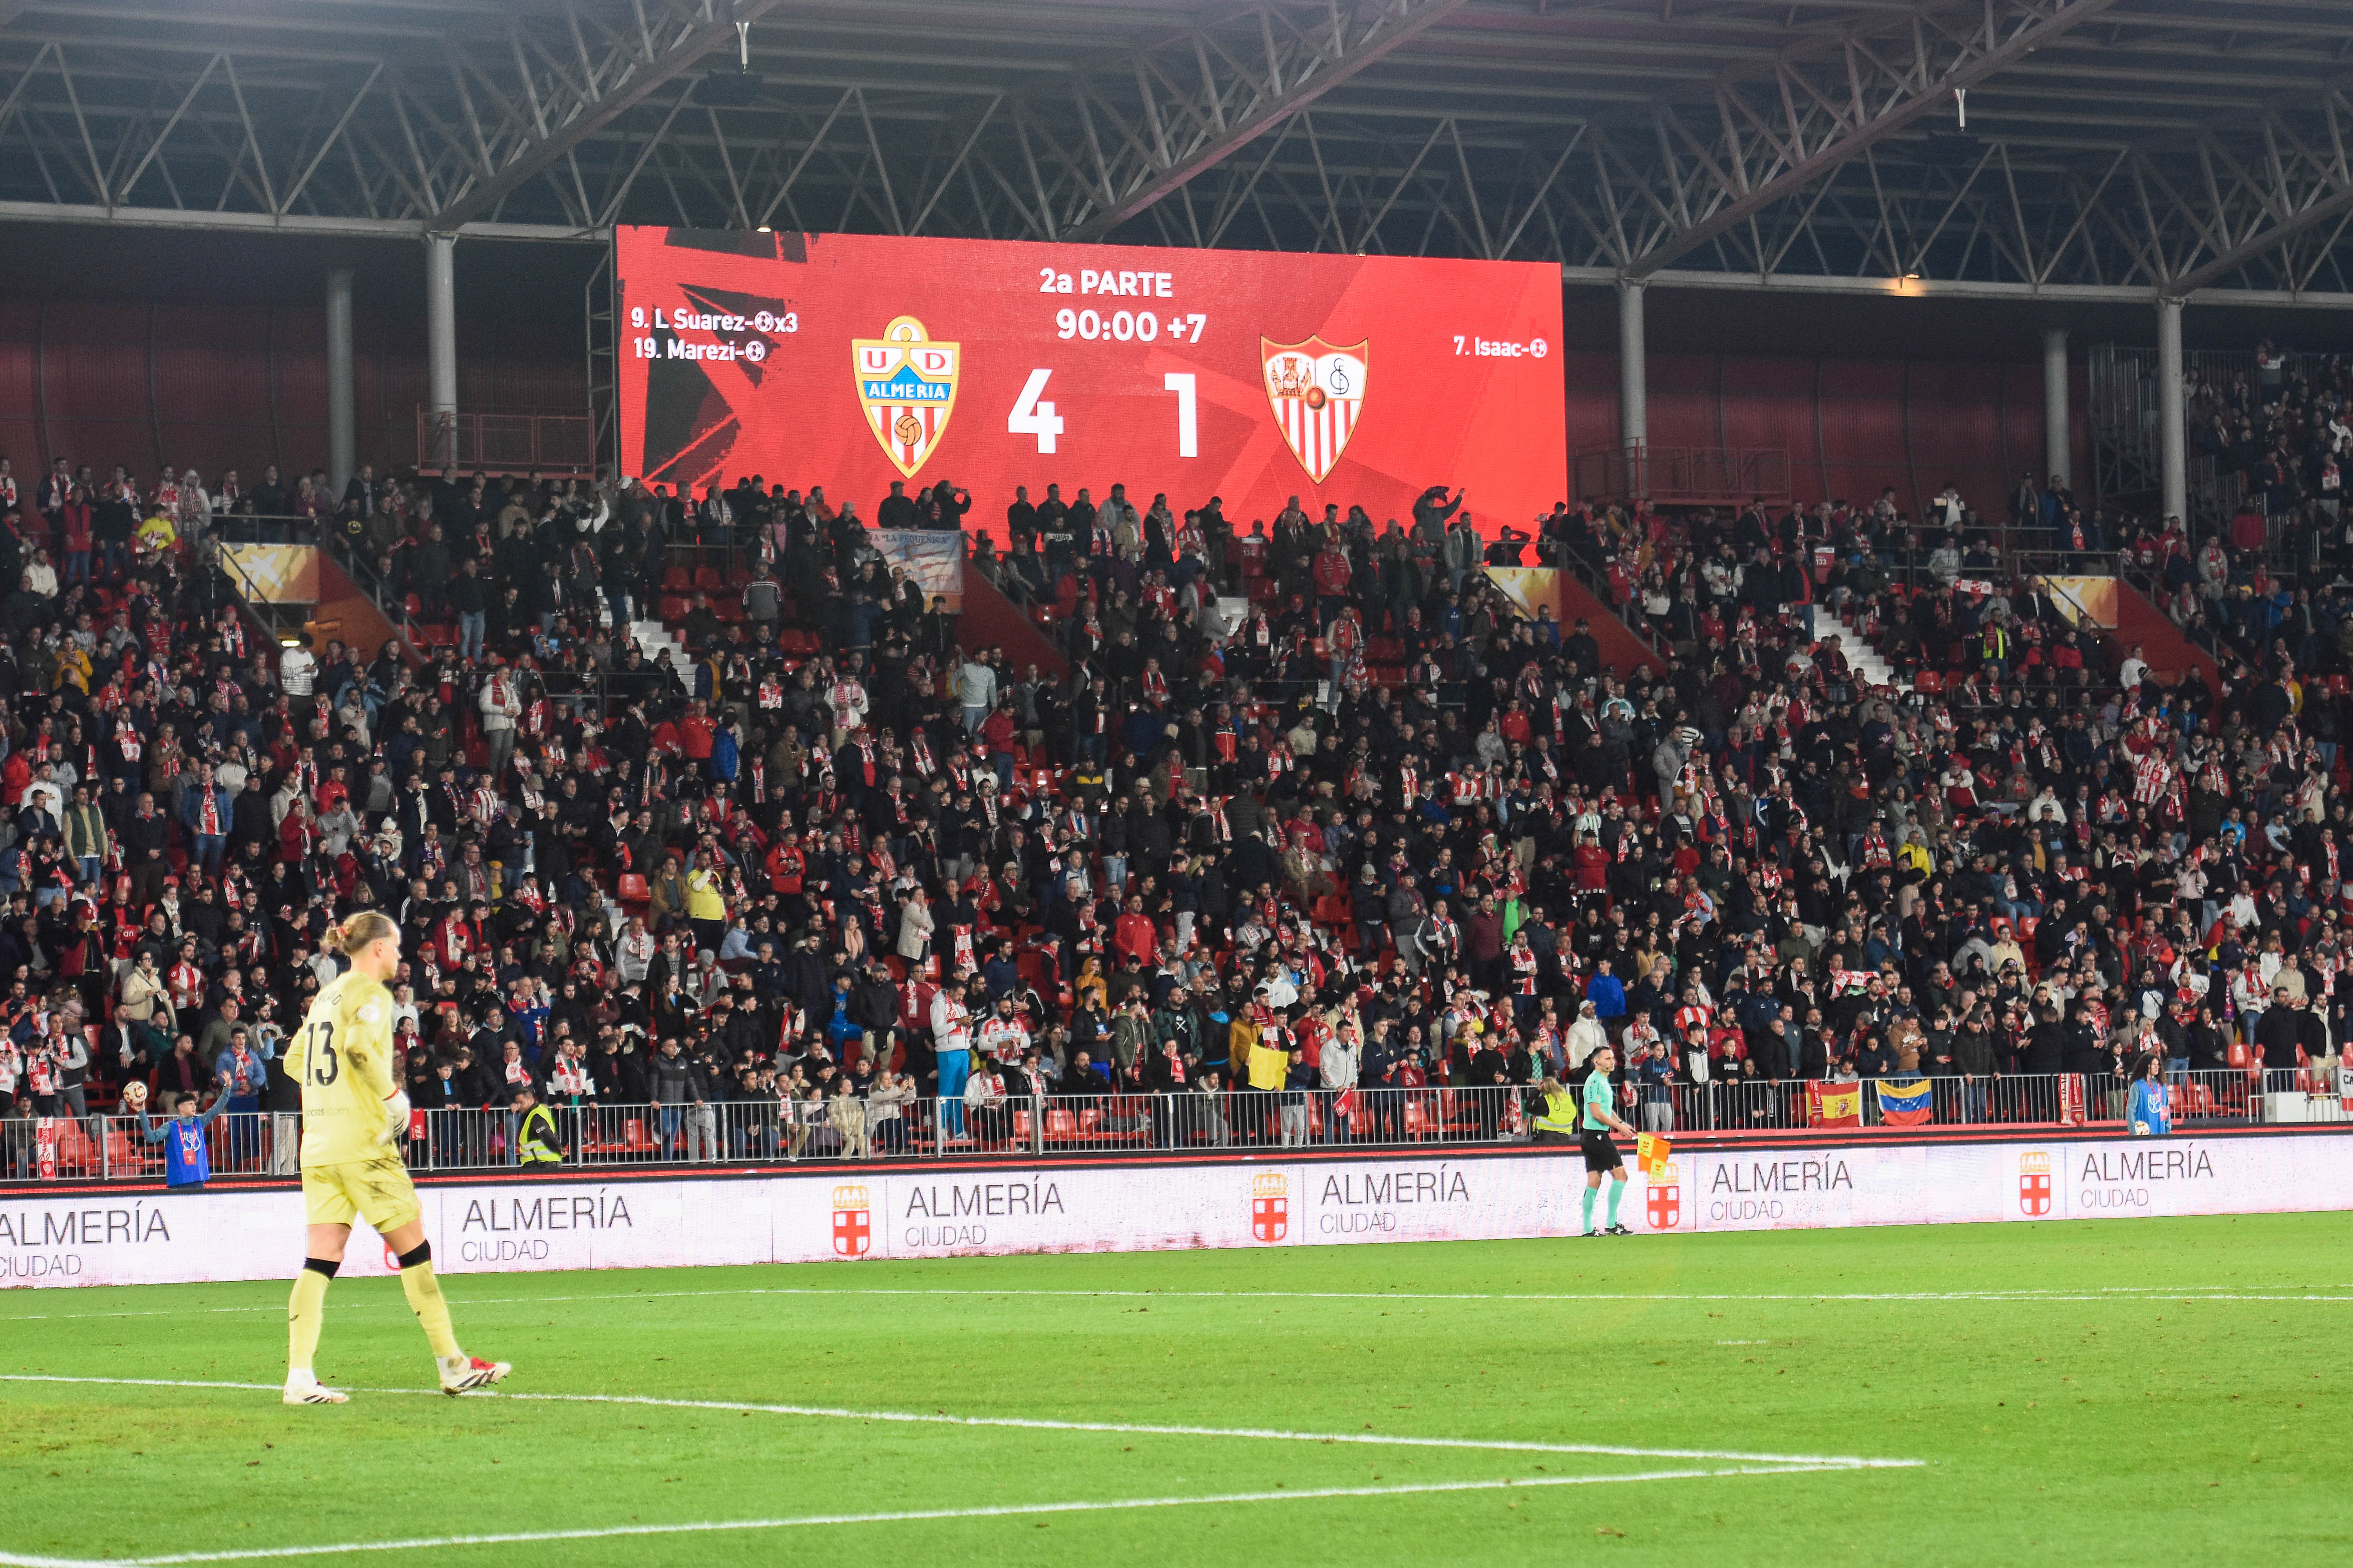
<point x="1592" y="387"/>
<point x="852" y="361"/>
<point x="1863" y="447"/>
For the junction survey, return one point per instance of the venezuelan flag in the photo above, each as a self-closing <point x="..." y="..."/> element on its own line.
<point x="1904" y="1104"/>
<point x="1834" y="1104"/>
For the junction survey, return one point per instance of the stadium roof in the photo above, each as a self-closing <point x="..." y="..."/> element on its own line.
<point x="2066" y="148"/>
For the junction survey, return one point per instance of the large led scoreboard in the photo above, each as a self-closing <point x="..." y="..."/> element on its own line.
<point x="850" y="361"/>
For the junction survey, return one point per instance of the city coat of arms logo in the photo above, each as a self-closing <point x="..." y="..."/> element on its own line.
<point x="2034" y="1185"/>
<point x="1318" y="392"/>
<point x="1663" y="1198"/>
<point x="906" y="382"/>
<point x="1270" y="1207"/>
<point x="853" y="1231"/>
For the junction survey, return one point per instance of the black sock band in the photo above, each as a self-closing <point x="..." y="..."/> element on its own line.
<point x="326" y="1266"/>
<point x="422" y="1253"/>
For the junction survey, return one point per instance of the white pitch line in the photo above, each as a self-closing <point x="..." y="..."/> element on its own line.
<point x="2102" y="1293"/>
<point x="1008" y="1511"/>
<point x="1261" y="1433"/>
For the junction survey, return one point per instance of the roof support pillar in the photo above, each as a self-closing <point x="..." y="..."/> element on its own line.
<point x="440" y="353"/>
<point x="2172" y="437"/>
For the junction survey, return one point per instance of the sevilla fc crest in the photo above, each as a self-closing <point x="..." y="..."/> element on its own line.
<point x="1318" y="392"/>
<point x="906" y="383"/>
<point x="2034" y="1185"/>
<point x="1663" y="1201"/>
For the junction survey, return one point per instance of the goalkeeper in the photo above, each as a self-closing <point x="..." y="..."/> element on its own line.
<point x="354" y="1120"/>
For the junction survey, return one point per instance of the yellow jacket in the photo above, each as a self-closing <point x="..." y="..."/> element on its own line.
<point x="703" y="900"/>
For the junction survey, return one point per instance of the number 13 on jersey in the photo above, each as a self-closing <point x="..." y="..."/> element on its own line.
<point x="319" y="1054"/>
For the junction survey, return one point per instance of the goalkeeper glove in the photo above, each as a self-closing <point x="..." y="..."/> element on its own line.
<point x="396" y="1118"/>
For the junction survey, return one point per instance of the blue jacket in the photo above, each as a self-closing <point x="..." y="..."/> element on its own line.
<point x="192" y="806"/>
<point x="1608" y="995"/>
<point x="2149" y="1107"/>
<point x="257" y="1069"/>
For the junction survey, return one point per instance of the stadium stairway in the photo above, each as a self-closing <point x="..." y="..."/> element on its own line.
<point x="653" y="639"/>
<point x="1861" y="657"/>
<point x="989" y="619"/>
<point x="1620" y="649"/>
<point x="2170" y="655"/>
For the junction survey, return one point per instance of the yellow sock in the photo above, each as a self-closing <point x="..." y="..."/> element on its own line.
<point x="306" y="1313"/>
<point x="425" y="1297"/>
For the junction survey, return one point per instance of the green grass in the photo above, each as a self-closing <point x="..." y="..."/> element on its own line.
<point x="2089" y="1393"/>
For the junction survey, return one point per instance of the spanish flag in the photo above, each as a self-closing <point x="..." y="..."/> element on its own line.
<point x="1833" y="1104"/>
<point x="1650" y="1153"/>
<point x="1905" y="1104"/>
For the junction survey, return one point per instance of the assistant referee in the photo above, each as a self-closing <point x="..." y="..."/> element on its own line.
<point x="1599" y="1118"/>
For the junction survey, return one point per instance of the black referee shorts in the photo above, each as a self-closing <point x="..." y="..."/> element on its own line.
<point x="1600" y="1154"/>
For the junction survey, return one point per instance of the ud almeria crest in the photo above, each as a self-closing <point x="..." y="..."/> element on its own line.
<point x="1317" y="394"/>
<point x="907" y="384"/>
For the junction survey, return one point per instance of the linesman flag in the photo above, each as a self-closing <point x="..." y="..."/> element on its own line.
<point x="1651" y="1152"/>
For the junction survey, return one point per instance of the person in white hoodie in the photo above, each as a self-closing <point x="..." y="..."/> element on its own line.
<point x="1586" y="1036"/>
<point x="501" y="705"/>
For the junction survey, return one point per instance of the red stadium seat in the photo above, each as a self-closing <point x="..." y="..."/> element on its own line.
<point x="635" y="890"/>
<point x="671" y="608"/>
<point x="677" y="580"/>
<point x="707" y="578"/>
<point x="124" y="1155"/>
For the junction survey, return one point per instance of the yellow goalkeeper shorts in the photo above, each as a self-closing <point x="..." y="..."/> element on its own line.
<point x="377" y="1189"/>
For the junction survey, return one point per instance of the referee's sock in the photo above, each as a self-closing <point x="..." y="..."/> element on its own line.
<point x="306" y="1312"/>
<point x="1591" y="1193"/>
<point x="424" y="1293"/>
<point x="1616" y="1191"/>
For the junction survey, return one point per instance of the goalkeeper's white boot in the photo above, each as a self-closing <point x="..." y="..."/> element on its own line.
<point x="461" y="1373"/>
<point x="306" y="1389"/>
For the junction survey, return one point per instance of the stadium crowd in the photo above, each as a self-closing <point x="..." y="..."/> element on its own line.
<point x="1384" y="832"/>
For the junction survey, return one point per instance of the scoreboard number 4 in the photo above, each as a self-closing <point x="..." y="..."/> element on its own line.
<point x="1032" y="416"/>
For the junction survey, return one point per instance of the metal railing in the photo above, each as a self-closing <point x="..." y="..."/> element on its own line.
<point x="507" y="443"/>
<point x="1109" y="1122"/>
<point x="115" y="1147"/>
<point x="1112" y="1123"/>
<point x="1681" y="476"/>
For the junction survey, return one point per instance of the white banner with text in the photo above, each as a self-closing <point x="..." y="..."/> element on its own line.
<point x="807" y="1215"/>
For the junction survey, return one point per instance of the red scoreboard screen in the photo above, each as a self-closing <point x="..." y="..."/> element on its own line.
<point x="850" y="361"/>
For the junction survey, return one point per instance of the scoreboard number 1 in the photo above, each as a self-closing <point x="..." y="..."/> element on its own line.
<point x="1032" y="416"/>
<point x="1188" y="433"/>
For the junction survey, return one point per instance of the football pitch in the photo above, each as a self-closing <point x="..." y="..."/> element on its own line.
<point x="2085" y="1392"/>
